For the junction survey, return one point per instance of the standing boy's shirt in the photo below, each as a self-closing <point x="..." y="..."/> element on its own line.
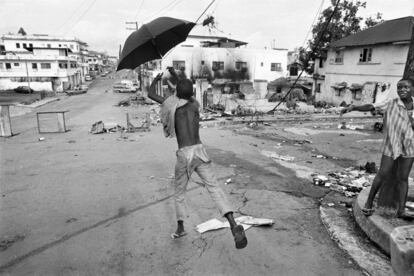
<point x="167" y="114"/>
<point x="399" y="140"/>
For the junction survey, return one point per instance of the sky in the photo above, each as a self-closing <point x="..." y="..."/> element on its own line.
<point x="102" y="23"/>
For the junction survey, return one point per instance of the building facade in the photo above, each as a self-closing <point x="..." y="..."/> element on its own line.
<point x="364" y="67"/>
<point x="45" y="63"/>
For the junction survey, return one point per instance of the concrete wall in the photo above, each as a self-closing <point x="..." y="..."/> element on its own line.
<point x="258" y="60"/>
<point x="7" y="84"/>
<point x="387" y="66"/>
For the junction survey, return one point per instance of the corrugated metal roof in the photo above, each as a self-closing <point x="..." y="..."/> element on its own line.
<point x="390" y="31"/>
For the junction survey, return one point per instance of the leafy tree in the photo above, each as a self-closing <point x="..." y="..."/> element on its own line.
<point x="372" y="21"/>
<point x="344" y="22"/>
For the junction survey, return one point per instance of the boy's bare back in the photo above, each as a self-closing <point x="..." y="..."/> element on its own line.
<point x="187" y="124"/>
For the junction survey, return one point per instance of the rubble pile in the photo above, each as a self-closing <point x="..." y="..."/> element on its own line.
<point x="349" y="182"/>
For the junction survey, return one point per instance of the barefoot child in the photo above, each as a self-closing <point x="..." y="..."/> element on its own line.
<point x="398" y="146"/>
<point x="180" y="117"/>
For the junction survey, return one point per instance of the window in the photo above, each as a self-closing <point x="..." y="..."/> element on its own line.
<point x="365" y="55"/>
<point x="240" y="65"/>
<point x="276" y="67"/>
<point x="1" y="66"/>
<point x="24" y="45"/>
<point x="320" y="63"/>
<point x="34" y="66"/>
<point x="30" y="45"/>
<point x="49" y="46"/>
<point x="178" y="64"/>
<point x="77" y="47"/>
<point x="60" y="45"/>
<point x="45" y="65"/>
<point x="71" y="46"/>
<point x="218" y="65"/>
<point x="16" y="64"/>
<point x="17" y="45"/>
<point x="63" y="65"/>
<point x="202" y="62"/>
<point x="339" y="56"/>
<point x="261" y="64"/>
<point x="8" y="66"/>
<point x="318" y="88"/>
<point x="62" y="52"/>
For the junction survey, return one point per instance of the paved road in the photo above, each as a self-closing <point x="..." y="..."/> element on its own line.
<point x="83" y="204"/>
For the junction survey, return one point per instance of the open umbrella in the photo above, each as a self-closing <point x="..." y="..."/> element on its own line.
<point x="153" y="40"/>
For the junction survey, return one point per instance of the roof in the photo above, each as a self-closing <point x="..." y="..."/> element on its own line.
<point x="396" y="30"/>
<point x="41" y="37"/>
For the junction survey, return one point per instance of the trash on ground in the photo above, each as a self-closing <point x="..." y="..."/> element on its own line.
<point x="319" y="156"/>
<point x="409" y="205"/>
<point x="246" y="221"/>
<point x="9" y="241"/>
<point x="41" y="138"/>
<point x="370" y="167"/>
<point x="344" y="125"/>
<point x="228" y="181"/>
<point x="349" y="182"/>
<point x="330" y="204"/>
<point x="274" y="155"/>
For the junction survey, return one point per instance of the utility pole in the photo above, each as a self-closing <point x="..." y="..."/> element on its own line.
<point x="134" y="23"/>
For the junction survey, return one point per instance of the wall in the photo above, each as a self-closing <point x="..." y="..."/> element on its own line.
<point x="387" y="66"/>
<point x="7" y="84"/>
<point x="258" y="60"/>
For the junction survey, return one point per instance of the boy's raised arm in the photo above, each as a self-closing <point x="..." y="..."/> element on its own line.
<point x="151" y="91"/>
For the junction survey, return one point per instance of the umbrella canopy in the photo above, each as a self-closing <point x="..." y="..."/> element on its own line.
<point x="153" y="40"/>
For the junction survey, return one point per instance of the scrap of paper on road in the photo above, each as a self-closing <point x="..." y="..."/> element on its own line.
<point x="246" y="221"/>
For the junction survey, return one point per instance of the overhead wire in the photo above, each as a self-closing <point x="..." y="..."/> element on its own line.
<point x="312" y="51"/>
<point x="169" y="5"/>
<point x="139" y="9"/>
<point x="313" y="23"/>
<point x="75" y="11"/>
<point x="81" y="16"/>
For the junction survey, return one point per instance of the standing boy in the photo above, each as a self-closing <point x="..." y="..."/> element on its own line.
<point x="398" y="146"/>
<point x="180" y="117"/>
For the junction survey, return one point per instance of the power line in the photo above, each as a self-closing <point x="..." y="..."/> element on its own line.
<point x="75" y="11"/>
<point x="139" y="9"/>
<point x="313" y="22"/>
<point x="162" y="9"/>
<point x="80" y="17"/>
<point x="312" y="51"/>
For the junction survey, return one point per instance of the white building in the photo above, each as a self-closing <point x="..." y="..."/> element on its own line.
<point x="364" y="67"/>
<point x="45" y="62"/>
<point x="219" y="57"/>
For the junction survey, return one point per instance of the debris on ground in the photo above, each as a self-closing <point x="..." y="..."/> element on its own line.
<point x="246" y="221"/>
<point x="378" y="126"/>
<point x="344" y="125"/>
<point x="370" y="167"/>
<point x="135" y="100"/>
<point x="41" y="138"/>
<point x="349" y="182"/>
<point x="274" y="155"/>
<point x="110" y="127"/>
<point x="9" y="241"/>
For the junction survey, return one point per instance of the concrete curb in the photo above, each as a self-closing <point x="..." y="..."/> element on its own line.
<point x="341" y="228"/>
<point x="375" y="226"/>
